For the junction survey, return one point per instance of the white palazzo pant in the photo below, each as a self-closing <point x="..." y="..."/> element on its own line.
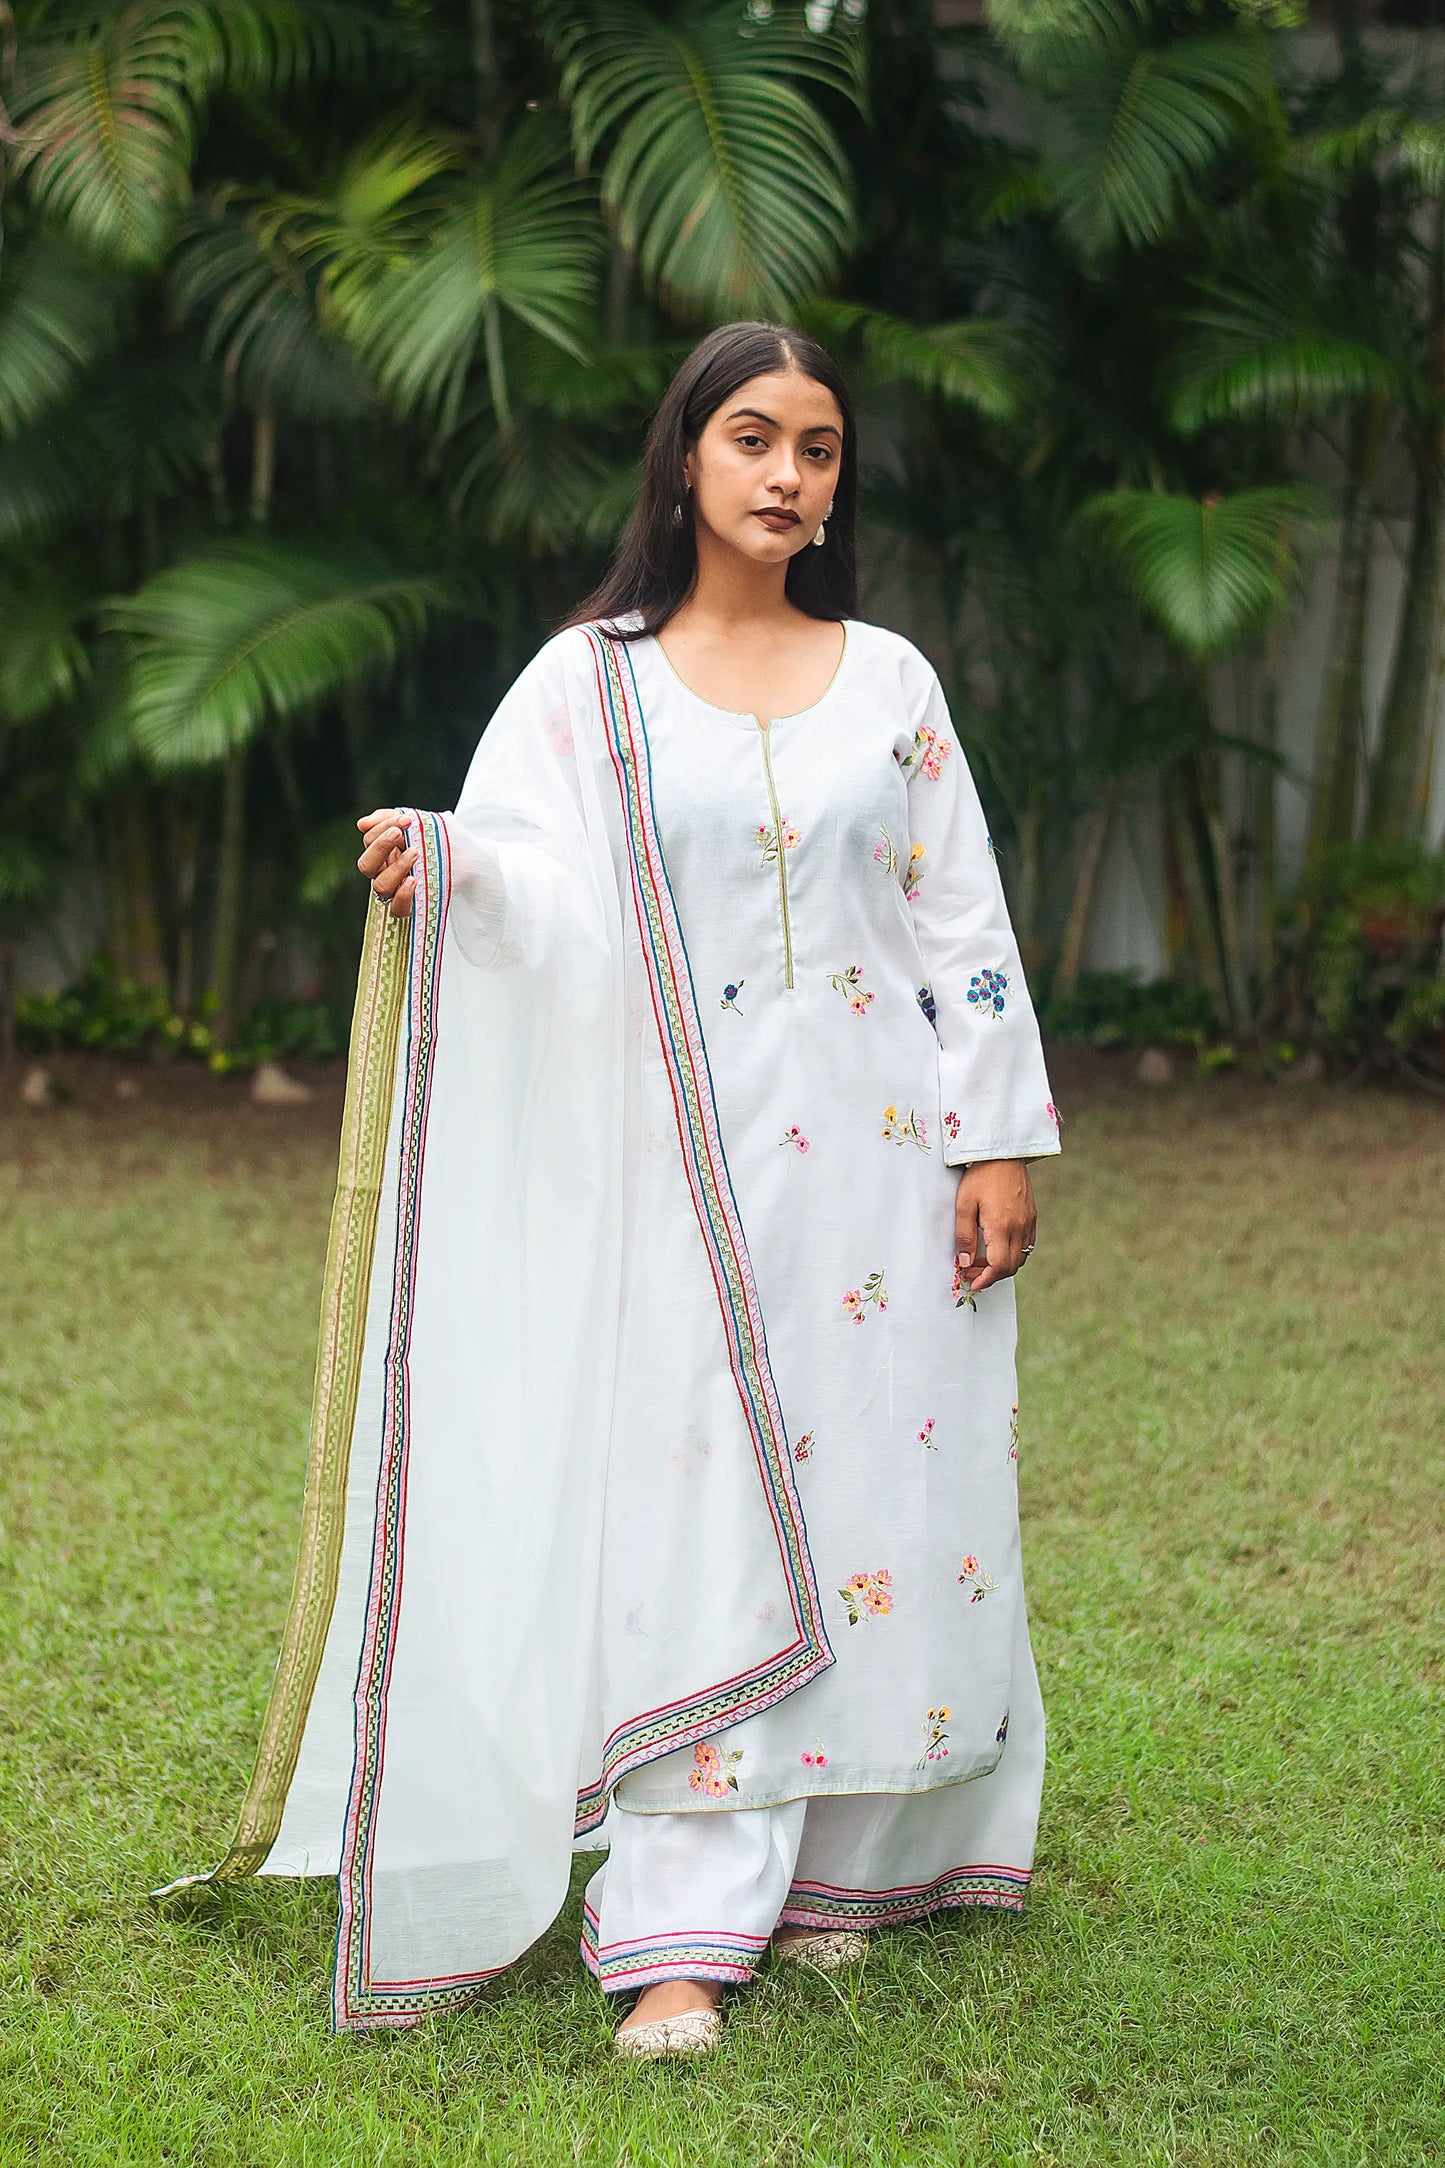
<point x="696" y="1896"/>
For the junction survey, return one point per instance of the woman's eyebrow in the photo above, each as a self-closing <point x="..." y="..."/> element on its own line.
<point x="818" y="429"/>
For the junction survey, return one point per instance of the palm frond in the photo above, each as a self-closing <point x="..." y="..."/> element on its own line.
<point x="107" y="127"/>
<point x="1277" y="348"/>
<point x="521" y="242"/>
<point x="543" y="488"/>
<point x="1132" y="122"/>
<point x="368" y="218"/>
<point x="43" y="660"/>
<point x="256" y="632"/>
<point x="259" y="304"/>
<point x="107" y="100"/>
<point x="1211" y="571"/>
<point x="138" y="430"/>
<point x="977" y="362"/>
<point x="57" y="317"/>
<point x="723" y="178"/>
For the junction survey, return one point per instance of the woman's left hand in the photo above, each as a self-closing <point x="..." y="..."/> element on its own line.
<point x="996" y="1197"/>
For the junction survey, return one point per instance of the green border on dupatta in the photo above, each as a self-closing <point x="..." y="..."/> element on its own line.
<point x="365" y="1128"/>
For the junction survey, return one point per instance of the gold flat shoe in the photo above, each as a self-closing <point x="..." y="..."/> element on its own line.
<point x="693" y="2033"/>
<point x="824" y="1952"/>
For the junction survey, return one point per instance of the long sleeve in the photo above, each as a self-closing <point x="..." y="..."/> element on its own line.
<point x="517" y="834"/>
<point x="995" y="1090"/>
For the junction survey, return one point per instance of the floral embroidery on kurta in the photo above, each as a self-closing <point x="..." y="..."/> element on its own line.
<point x="951" y="1125"/>
<point x="913" y="877"/>
<point x="1002" y="1733"/>
<point x="796" y="1138"/>
<point x="925" y="1436"/>
<point x="927" y="754"/>
<point x="768" y="840"/>
<point x="987" y="991"/>
<point x="935" y="1736"/>
<point x="1053" y="1114"/>
<point x="713" y="1770"/>
<point x="868" y="1595"/>
<point x="909" y="1128"/>
<point x="730" y="996"/>
<point x="857" y="1299"/>
<point x="973" y="1577"/>
<point x="813" y="1757"/>
<point x="886" y="853"/>
<point x="1013" y="1432"/>
<point x="850" y="982"/>
<point x="803" y="1447"/>
<point x="964" y="1297"/>
<point x="928" y="1005"/>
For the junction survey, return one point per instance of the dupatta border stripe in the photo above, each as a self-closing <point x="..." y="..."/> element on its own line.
<point x="357" y="2000"/>
<point x="346" y="1288"/>
<point x="658" y="1731"/>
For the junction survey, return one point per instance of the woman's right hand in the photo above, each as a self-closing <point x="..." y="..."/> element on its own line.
<point x="386" y="862"/>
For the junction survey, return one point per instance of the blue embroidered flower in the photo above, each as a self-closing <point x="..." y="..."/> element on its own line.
<point x="986" y="990"/>
<point x="928" y="1005"/>
<point x="730" y="997"/>
<point x="992" y="846"/>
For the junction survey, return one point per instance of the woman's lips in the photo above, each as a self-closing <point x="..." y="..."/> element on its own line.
<point x="777" y="521"/>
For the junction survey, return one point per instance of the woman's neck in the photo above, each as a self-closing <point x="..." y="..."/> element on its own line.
<point x="732" y="595"/>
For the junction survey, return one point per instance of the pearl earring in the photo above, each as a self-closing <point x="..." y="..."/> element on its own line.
<point x="821" y="536"/>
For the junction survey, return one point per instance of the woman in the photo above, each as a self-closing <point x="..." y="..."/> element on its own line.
<point x="663" y="1472"/>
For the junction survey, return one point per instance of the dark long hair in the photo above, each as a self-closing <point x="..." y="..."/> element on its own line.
<point x="655" y="566"/>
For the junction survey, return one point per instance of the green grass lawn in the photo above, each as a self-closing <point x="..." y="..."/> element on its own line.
<point x="1232" y="1453"/>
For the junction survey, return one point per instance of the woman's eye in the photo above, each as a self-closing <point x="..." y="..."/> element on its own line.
<point x="820" y="453"/>
<point x="750" y="441"/>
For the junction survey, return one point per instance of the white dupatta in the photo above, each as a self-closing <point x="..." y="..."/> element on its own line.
<point x="512" y="1280"/>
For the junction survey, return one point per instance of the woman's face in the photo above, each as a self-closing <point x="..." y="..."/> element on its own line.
<point x="762" y="473"/>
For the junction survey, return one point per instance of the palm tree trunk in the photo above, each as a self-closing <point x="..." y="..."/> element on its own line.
<point x="263" y="464"/>
<point x="8" y="984"/>
<point x="1410" y="705"/>
<point x="1086" y="881"/>
<point x="230" y="870"/>
<point x="1266" y="900"/>
<point x="1191" y="848"/>
<point x="488" y="74"/>
<point x="148" y="964"/>
<point x="1339" y="744"/>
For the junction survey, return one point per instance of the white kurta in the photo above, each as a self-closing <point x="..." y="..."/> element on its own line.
<point x="655" y="1462"/>
<point x="868" y="1029"/>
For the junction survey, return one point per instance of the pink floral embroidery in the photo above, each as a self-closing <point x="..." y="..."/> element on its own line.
<point x="886" y="853"/>
<point x="1013" y="1432"/>
<point x="925" y="1436"/>
<point x="712" y="1770"/>
<point x="928" y="753"/>
<point x="913" y="878"/>
<point x="768" y="840"/>
<point x="803" y="1447"/>
<point x="1053" y="1114"/>
<point x="850" y="982"/>
<point x="935" y="1736"/>
<point x="796" y="1138"/>
<point x="868" y="1594"/>
<point x="964" y="1297"/>
<point x="952" y="1125"/>
<point x="909" y="1128"/>
<point x="972" y="1576"/>
<point x="813" y="1757"/>
<point x="857" y="1299"/>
